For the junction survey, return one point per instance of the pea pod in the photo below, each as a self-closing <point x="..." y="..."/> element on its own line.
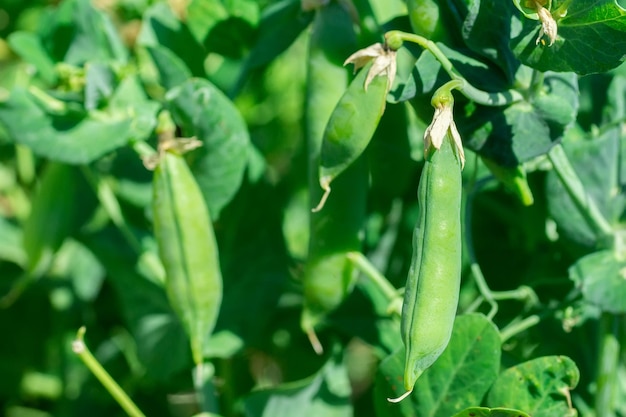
<point x="432" y="288"/>
<point x="351" y="126"/>
<point x="187" y="248"/>
<point x="335" y="230"/>
<point x="54" y="215"/>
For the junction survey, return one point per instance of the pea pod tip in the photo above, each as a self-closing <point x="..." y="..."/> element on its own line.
<point x="400" y="398"/>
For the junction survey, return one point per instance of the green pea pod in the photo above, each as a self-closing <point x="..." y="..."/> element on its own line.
<point x="351" y="125"/>
<point x="514" y="179"/>
<point x="187" y="248"/>
<point x="53" y="217"/>
<point x="432" y="288"/>
<point x="334" y="231"/>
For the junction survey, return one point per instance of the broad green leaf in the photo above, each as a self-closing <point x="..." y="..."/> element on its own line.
<point x="281" y="24"/>
<point x="325" y="394"/>
<point x="457" y="380"/>
<point x="77" y="32"/>
<point x="597" y="163"/>
<point x="485" y="31"/>
<point x="172" y="70"/>
<point x="226" y="28"/>
<point x="30" y="48"/>
<point x="161" y="28"/>
<point x="525" y="129"/>
<point x="591" y="38"/>
<point x="72" y="137"/>
<point x="541" y="387"/>
<point x="491" y="412"/>
<point x="600" y="276"/>
<point x="205" y="112"/>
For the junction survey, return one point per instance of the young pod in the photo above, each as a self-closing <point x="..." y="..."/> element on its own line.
<point x="355" y="117"/>
<point x="187" y="248"/>
<point x="432" y="288"/>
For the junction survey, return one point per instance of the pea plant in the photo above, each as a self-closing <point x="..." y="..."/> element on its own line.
<point x="278" y="208"/>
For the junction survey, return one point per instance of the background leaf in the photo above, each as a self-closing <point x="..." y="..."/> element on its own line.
<point x="541" y="387"/>
<point x="591" y="38"/>
<point x="205" y="112"/>
<point x="458" y="379"/>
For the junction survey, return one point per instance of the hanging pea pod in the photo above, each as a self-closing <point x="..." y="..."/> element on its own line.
<point x="187" y="248"/>
<point x="513" y="179"/>
<point x="335" y="231"/>
<point x="432" y="287"/>
<point x="356" y="115"/>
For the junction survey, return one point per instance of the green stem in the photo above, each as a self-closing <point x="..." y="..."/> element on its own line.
<point x="608" y="364"/>
<point x="79" y="348"/>
<point x="517" y="327"/>
<point x="395" y="38"/>
<point x="370" y="271"/>
<point x="575" y="189"/>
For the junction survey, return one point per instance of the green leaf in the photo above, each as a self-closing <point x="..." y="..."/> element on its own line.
<point x="541" y="387"/>
<point x="458" y="379"/>
<point x="597" y="163"/>
<point x="76" y="32"/>
<point x="325" y="394"/>
<point x="30" y="48"/>
<point x="73" y="137"/>
<point x="490" y="412"/>
<point x="161" y="28"/>
<point x="205" y="112"/>
<point x="591" y="38"/>
<point x="172" y="70"/>
<point x="523" y="130"/>
<point x="485" y="31"/>
<point x="600" y="276"/>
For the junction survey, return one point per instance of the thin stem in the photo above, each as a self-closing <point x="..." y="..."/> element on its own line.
<point x="370" y="271"/>
<point x="396" y="37"/>
<point x="79" y="348"/>
<point x="575" y="189"/>
<point x="608" y="364"/>
<point x="514" y="328"/>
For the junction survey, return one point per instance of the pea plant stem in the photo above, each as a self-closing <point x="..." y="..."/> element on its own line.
<point x="608" y="364"/>
<point x="575" y="189"/>
<point x="370" y="271"/>
<point x="395" y="38"/>
<point x="80" y="348"/>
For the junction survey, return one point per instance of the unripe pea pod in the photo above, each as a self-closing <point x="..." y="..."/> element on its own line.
<point x="432" y="288"/>
<point x="334" y="231"/>
<point x="351" y="126"/>
<point x="187" y="248"/>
